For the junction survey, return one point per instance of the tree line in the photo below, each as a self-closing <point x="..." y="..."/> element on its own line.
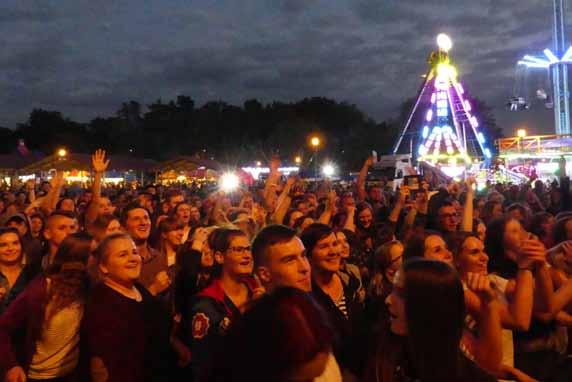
<point x="228" y="133"/>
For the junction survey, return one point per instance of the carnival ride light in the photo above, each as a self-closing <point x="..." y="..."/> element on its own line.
<point x="433" y="96"/>
<point x="425" y="132"/>
<point x="444" y="42"/>
<point x="429" y="115"/>
<point x="442" y="112"/>
<point x="551" y="57"/>
<point x="568" y="55"/>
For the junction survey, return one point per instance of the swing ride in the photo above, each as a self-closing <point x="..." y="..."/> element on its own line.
<point x="539" y="156"/>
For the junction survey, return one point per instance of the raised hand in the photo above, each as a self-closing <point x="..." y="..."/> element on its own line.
<point x="403" y="194"/>
<point x="470" y="183"/>
<point x="481" y="285"/>
<point x="98" y="161"/>
<point x="531" y="254"/>
<point x="369" y="161"/>
<point x="15" y="374"/>
<point x="274" y="164"/>
<point x="161" y="282"/>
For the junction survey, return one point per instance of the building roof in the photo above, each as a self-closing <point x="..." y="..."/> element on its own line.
<point x="75" y="161"/>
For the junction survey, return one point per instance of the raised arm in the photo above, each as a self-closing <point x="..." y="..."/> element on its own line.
<point x="350" y="224"/>
<point x="326" y="216"/>
<point x="487" y="347"/>
<point x="49" y="202"/>
<point x="99" y="165"/>
<point x="283" y="202"/>
<point x="394" y="214"/>
<point x="361" y="193"/>
<point x="467" y="218"/>
<point x="271" y="183"/>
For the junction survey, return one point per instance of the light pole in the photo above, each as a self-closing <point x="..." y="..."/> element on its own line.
<point x="315" y="143"/>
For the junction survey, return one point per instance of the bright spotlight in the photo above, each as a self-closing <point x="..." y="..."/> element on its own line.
<point x="444" y="42"/>
<point x="62" y="153"/>
<point x="521" y="133"/>
<point x="229" y="182"/>
<point x="328" y="170"/>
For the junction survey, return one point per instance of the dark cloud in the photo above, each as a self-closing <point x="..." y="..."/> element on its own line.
<point x="84" y="58"/>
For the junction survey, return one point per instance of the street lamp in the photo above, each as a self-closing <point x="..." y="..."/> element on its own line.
<point x="521" y="133"/>
<point x="315" y="143"/>
<point x="298" y="159"/>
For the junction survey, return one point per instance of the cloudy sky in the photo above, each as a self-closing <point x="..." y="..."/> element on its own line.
<point x="85" y="57"/>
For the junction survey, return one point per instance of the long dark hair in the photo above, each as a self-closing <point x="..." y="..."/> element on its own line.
<point x="415" y="246"/>
<point x="559" y="230"/>
<point x="189" y="267"/>
<point x="282" y="331"/>
<point x="435" y="312"/>
<point x="68" y="274"/>
<point x="494" y="247"/>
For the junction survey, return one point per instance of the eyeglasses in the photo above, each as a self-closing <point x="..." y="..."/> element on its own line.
<point x="239" y="249"/>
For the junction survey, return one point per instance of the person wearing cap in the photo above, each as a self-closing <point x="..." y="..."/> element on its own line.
<point x="48" y="313"/>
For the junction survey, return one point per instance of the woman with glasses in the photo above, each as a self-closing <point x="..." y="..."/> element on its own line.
<point x="221" y="303"/>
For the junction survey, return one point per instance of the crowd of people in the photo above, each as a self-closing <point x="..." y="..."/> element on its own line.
<point x="286" y="281"/>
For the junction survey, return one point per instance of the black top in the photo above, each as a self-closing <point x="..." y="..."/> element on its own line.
<point x="132" y="338"/>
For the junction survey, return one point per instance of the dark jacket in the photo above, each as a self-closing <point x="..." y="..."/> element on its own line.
<point x="28" y="273"/>
<point x="211" y="314"/>
<point x="350" y="332"/>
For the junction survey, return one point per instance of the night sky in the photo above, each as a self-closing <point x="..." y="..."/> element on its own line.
<point x="84" y="58"/>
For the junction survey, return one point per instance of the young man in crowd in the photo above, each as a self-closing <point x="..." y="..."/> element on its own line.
<point x="59" y="225"/>
<point x="137" y="223"/>
<point x="280" y="259"/>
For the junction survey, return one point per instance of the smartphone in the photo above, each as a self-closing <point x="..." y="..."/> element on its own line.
<point x="413" y="182"/>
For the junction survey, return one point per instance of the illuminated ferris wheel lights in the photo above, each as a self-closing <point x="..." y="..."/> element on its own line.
<point x="444" y="42"/>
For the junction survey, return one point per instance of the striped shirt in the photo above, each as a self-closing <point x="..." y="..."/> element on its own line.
<point x="341" y="305"/>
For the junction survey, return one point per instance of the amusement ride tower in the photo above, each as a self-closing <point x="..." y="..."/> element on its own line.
<point x="441" y="129"/>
